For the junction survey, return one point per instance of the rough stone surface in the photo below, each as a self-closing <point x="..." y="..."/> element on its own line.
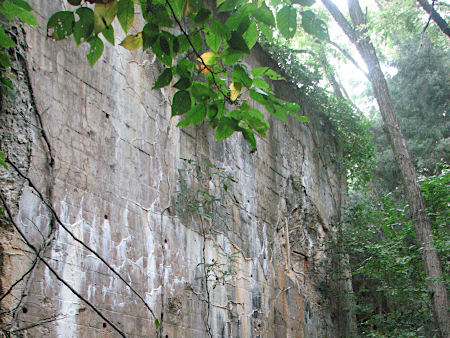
<point x="118" y="187"/>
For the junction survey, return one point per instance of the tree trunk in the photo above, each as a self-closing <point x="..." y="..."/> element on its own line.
<point x="422" y="226"/>
<point x="442" y="24"/>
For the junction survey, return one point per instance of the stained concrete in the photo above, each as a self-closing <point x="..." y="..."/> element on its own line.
<point x="117" y="187"/>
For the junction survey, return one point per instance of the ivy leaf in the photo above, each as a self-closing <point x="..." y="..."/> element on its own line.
<point x="314" y="26"/>
<point x="96" y="49"/>
<point x="150" y="34"/>
<point x="202" y="15"/>
<point x="157" y="323"/>
<point x="240" y="75"/>
<point x="62" y="25"/>
<point x="287" y="21"/>
<point x="200" y="91"/>
<point x="237" y="42"/>
<point x="213" y="41"/>
<point x="261" y="84"/>
<point x="85" y="26"/>
<point x="220" y="29"/>
<point x="306" y="3"/>
<point x="182" y="103"/>
<point x="195" y="115"/>
<point x="108" y="33"/>
<point x="74" y="2"/>
<point x="132" y="42"/>
<point x="104" y="15"/>
<point x="5" y="41"/>
<point x="125" y="14"/>
<point x="164" y="79"/>
<point x="264" y="14"/>
<point x="235" y="90"/>
<point x="249" y="136"/>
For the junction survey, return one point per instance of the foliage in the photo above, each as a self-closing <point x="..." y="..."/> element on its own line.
<point x="390" y="289"/>
<point x="420" y="94"/>
<point x="206" y="59"/>
<point x="10" y="9"/>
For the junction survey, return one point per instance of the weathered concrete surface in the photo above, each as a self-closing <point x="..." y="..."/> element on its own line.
<point x="117" y="154"/>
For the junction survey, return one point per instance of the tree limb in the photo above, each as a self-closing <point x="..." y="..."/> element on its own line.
<point x="31" y="246"/>
<point x="435" y="16"/>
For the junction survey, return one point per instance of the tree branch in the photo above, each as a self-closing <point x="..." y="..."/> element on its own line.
<point x="348" y="56"/>
<point x="341" y="20"/>
<point x="58" y="220"/>
<point x="31" y="246"/>
<point x="435" y="16"/>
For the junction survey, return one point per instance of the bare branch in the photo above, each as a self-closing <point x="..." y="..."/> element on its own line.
<point x="20" y="279"/>
<point x="31" y="246"/>
<point x="437" y="18"/>
<point x="349" y="57"/>
<point x="58" y="220"/>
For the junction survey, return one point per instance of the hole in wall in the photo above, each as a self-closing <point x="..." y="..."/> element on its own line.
<point x="107" y="115"/>
<point x="104" y="325"/>
<point x="106" y="216"/>
<point x="24" y="310"/>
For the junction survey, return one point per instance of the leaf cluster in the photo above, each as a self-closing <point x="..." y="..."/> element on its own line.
<point x="205" y="62"/>
<point x="10" y="9"/>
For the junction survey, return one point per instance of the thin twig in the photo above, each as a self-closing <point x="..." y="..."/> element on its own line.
<point x="20" y="279"/>
<point x="58" y="220"/>
<point x="31" y="246"/>
<point x="425" y="28"/>
<point x="195" y="51"/>
<point x="349" y="57"/>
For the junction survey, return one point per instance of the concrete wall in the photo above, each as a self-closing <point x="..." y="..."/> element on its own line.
<point x="116" y="184"/>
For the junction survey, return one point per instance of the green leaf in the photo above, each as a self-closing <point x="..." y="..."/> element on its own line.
<point x="104" y="15"/>
<point x="197" y="114"/>
<point x="314" y="26"/>
<point x="183" y="83"/>
<point x="220" y="29"/>
<point x="261" y="84"/>
<point x="27" y="7"/>
<point x="213" y="41"/>
<point x="184" y="43"/>
<point x="3" y="163"/>
<point x="202" y="15"/>
<point x="227" y="126"/>
<point x="132" y="42"/>
<point x="264" y="14"/>
<point x="182" y="102"/>
<point x="229" y="5"/>
<point x="20" y="12"/>
<point x="287" y="21"/>
<point x="235" y="19"/>
<point x="251" y="35"/>
<point x="209" y="58"/>
<point x="96" y="49"/>
<point x="266" y="30"/>
<point x="108" y="33"/>
<point x="125" y="14"/>
<point x="159" y="16"/>
<point x="150" y="35"/>
<point x="185" y="68"/>
<point x="157" y="323"/>
<point x="4" y="59"/>
<point x="164" y="79"/>
<point x="231" y="56"/>
<point x="200" y="91"/>
<point x="249" y="136"/>
<point x="266" y="71"/>
<point x="5" y="41"/>
<point x="197" y="41"/>
<point x="85" y="26"/>
<point x="62" y="25"/>
<point x="164" y="44"/>
<point x="237" y="42"/>
<point x="307" y="3"/>
<point x="243" y="25"/>
<point x="240" y="75"/>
